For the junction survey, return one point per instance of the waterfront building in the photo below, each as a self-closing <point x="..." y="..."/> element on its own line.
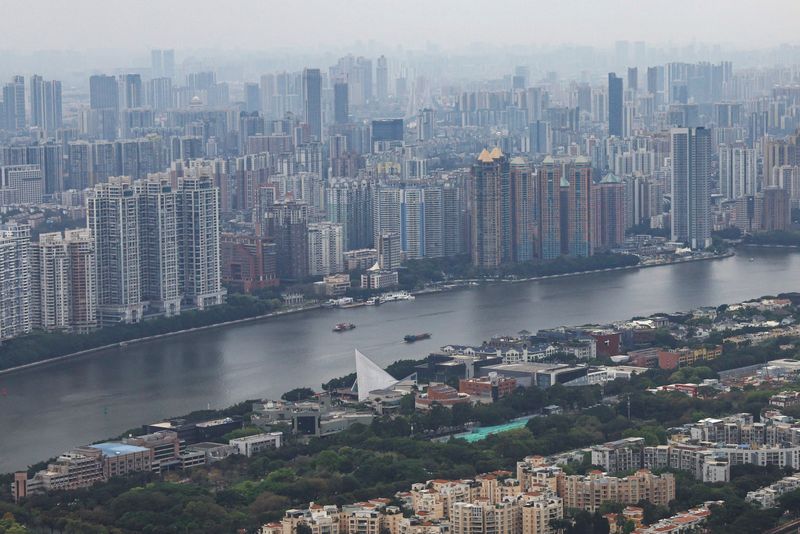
<point x="112" y="215"/>
<point x="550" y="180"/>
<point x="64" y="281"/>
<point x="200" y="269"/>
<point x="690" y="212"/>
<point x="287" y="224"/>
<point x="15" y="281"/>
<point x="608" y="213"/>
<point x="248" y="262"/>
<point x="325" y="248"/>
<point x="490" y="180"/>
<point x="575" y="208"/>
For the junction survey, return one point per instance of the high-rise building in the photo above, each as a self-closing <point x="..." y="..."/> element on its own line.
<point x="112" y="215"/>
<point x="325" y="249"/>
<point x="104" y="104"/>
<point x="200" y="269"/>
<point x="130" y="91"/>
<point x="615" y="110"/>
<point x="156" y="64"/>
<point x="575" y="208"/>
<point x="252" y="97"/>
<point x="80" y="167"/>
<point x="349" y="203"/>
<point x="14" y="104"/>
<point x="633" y="79"/>
<point x="414" y="212"/>
<point x="608" y="213"/>
<point x="15" y="281"/>
<point x="776" y="213"/>
<point x="426" y="121"/>
<point x="523" y="210"/>
<point x="389" y="251"/>
<point x="489" y="174"/>
<point x="63" y="281"/>
<point x="312" y="102"/>
<point x="45" y="99"/>
<point x="159" y="94"/>
<point x="738" y="171"/>
<point x="550" y="181"/>
<point x="168" y="62"/>
<point x="341" y="103"/>
<point x="158" y="244"/>
<point x="21" y="184"/>
<point x="287" y="223"/>
<point x="690" y="211"/>
<point x="382" y="79"/>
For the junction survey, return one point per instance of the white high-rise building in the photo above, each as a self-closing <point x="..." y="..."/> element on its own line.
<point x="64" y="281"/>
<point x="21" y="184"/>
<point x="15" y="308"/>
<point x="158" y="240"/>
<point x="690" y="211"/>
<point x="738" y="171"/>
<point x="325" y="248"/>
<point x="112" y="215"/>
<point x="198" y="237"/>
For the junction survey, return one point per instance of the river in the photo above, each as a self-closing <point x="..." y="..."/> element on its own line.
<point x="48" y="409"/>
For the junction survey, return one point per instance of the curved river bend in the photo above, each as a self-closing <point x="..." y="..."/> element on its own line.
<point x="51" y="408"/>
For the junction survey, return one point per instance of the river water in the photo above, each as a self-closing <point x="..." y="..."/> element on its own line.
<point x="48" y="409"/>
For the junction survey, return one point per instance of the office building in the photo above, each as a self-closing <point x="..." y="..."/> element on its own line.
<point x="690" y="212"/>
<point x="341" y="102"/>
<point x="325" y="249"/>
<point x="312" y="102"/>
<point x="426" y="121"/>
<point x="248" y="262"/>
<point x="615" y="109"/>
<point x="130" y="91"/>
<point x="382" y="79"/>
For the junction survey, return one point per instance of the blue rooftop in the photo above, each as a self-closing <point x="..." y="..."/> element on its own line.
<point x="116" y="449"/>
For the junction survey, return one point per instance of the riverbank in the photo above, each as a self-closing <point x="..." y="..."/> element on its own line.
<point x="123" y="344"/>
<point x="451" y="285"/>
<point x="472" y="282"/>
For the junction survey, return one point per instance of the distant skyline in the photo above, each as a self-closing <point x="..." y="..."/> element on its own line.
<point x="311" y="25"/>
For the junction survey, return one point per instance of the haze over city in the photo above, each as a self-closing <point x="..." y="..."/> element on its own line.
<point x="416" y="267"/>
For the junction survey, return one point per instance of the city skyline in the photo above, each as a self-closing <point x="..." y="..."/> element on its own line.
<point x="448" y="24"/>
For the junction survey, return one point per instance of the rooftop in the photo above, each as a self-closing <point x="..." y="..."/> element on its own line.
<point x="116" y="449"/>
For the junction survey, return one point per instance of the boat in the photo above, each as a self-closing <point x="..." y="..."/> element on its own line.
<point x="395" y="296"/>
<point x="373" y="301"/>
<point x="410" y="338"/>
<point x="343" y="327"/>
<point x="752" y="259"/>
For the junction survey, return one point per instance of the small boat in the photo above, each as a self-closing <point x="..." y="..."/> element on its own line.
<point x="373" y="301"/>
<point x="752" y="259"/>
<point x="343" y="327"/>
<point x="410" y="338"/>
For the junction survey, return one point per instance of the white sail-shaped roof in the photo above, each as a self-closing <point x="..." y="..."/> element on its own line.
<point x="369" y="377"/>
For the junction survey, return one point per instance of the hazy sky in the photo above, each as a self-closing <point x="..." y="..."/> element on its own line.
<point x="311" y="24"/>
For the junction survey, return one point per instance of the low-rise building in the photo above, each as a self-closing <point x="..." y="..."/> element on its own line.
<point x="487" y="388"/>
<point x="441" y="394"/>
<point x="250" y="445"/>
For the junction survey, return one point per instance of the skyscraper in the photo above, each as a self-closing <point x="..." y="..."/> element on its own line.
<point x="14" y="104"/>
<point x="549" y="194"/>
<point x="608" y="213"/>
<point x="615" y="110"/>
<point x="489" y="174"/>
<point x="523" y="210"/>
<point x="104" y="104"/>
<point x="576" y="209"/>
<point x="252" y="97"/>
<point x="426" y="121"/>
<point x="382" y="79"/>
<point x="45" y="104"/>
<point x="341" y="104"/>
<point x="738" y="171"/>
<point x="131" y="91"/>
<point x="690" y="211"/>
<point x="287" y="224"/>
<point x="312" y="102"/>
